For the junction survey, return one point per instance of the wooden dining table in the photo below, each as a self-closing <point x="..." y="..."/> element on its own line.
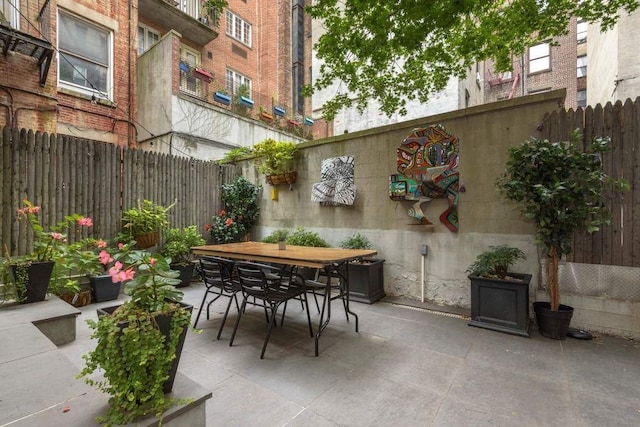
<point x="331" y="260"/>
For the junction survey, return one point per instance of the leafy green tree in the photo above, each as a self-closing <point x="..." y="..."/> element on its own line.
<point x="394" y="51"/>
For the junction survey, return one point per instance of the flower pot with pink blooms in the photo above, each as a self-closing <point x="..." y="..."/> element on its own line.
<point x="140" y="341"/>
<point x="58" y="256"/>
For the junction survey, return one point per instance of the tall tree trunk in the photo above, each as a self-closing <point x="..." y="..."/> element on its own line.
<point x="552" y="276"/>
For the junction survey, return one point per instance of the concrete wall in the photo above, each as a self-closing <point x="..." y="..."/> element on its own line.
<point x="485" y="134"/>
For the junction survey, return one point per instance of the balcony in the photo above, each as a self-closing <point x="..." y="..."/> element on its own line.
<point x="184" y="16"/>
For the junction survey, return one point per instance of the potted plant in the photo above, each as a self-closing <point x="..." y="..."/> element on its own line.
<point x="264" y="115"/>
<point x="139" y="342"/>
<point x="299" y="237"/>
<point x="560" y="188"/>
<point x="240" y="213"/>
<point x="177" y="247"/>
<point x="500" y="298"/>
<point x="275" y="160"/>
<point x="143" y="223"/>
<point x="366" y="276"/>
<point x="232" y="156"/>
<point x="213" y="9"/>
<point x="26" y="278"/>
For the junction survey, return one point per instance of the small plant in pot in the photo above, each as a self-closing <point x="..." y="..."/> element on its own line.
<point x="139" y="342"/>
<point x="177" y="247"/>
<point x="499" y="297"/>
<point x="143" y="223"/>
<point x="366" y="276"/>
<point x="559" y="186"/>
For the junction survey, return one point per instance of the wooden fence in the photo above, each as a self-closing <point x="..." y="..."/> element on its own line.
<point x="619" y="243"/>
<point x="66" y="175"/>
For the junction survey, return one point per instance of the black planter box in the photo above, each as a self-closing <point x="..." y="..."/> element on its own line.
<point x="501" y="305"/>
<point x="103" y="288"/>
<point x="366" y="281"/>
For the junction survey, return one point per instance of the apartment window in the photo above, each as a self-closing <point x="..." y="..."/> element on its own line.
<point x="238" y="28"/>
<point x="235" y="80"/>
<point x="147" y="37"/>
<point x="582" y="66"/>
<point x="582" y="98"/>
<point x="539" y="59"/>
<point x="10" y="13"/>
<point x="582" y="31"/>
<point x="85" y="62"/>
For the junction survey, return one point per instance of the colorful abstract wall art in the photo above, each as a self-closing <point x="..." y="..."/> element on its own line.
<point x="337" y="186"/>
<point x="428" y="169"/>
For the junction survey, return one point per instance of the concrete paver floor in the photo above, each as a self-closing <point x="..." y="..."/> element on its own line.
<point x="405" y="367"/>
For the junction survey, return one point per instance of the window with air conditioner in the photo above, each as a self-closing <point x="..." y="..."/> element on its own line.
<point x="85" y="62"/>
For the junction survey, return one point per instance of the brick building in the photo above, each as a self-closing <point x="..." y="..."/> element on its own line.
<point x="146" y="71"/>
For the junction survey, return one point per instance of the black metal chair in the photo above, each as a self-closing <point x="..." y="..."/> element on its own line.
<point x="338" y="289"/>
<point x="267" y="284"/>
<point x="217" y="276"/>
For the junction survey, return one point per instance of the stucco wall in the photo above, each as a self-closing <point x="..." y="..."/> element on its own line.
<point x="485" y="133"/>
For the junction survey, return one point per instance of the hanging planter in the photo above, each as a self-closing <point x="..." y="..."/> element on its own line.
<point x="308" y="121"/>
<point x="293" y="123"/>
<point x="222" y="98"/>
<point x="279" y="111"/>
<point x="282" y="178"/>
<point x="264" y="116"/>
<point x="202" y="74"/>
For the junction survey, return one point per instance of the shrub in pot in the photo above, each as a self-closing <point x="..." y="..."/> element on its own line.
<point x="499" y="297"/>
<point x="177" y="247"/>
<point x="366" y="276"/>
<point x="139" y="342"/>
<point x="241" y="211"/>
<point x="559" y="186"/>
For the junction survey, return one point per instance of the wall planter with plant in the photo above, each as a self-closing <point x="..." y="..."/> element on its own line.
<point x="265" y="116"/>
<point x="276" y="159"/>
<point x="144" y="223"/>
<point x="177" y="247"/>
<point x="366" y="276"/>
<point x="139" y="342"/>
<point x="202" y="74"/>
<point x="222" y="98"/>
<point x="560" y="188"/>
<point x="499" y="298"/>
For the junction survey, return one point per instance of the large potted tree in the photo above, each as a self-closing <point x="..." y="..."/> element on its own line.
<point x="559" y="186"/>
<point x="499" y="297"/>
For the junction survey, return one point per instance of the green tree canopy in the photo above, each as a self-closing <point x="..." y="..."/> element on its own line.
<point x="398" y="50"/>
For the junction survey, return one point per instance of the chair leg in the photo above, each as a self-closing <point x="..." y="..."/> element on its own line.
<point x="224" y="318"/>
<point x="271" y="323"/>
<point x="235" y="328"/>
<point x="204" y="298"/>
<point x="306" y="303"/>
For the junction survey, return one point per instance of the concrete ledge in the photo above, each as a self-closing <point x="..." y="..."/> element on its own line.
<point x="55" y="318"/>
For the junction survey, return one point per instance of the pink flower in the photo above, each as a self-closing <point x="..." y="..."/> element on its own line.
<point x="57" y="236"/>
<point x="101" y="244"/>
<point x="120" y="246"/>
<point x="86" y="222"/>
<point x="117" y="267"/>
<point x="123" y="276"/>
<point x="228" y="222"/>
<point x="207" y="227"/>
<point x="222" y="212"/>
<point x="104" y="257"/>
<point x="152" y="261"/>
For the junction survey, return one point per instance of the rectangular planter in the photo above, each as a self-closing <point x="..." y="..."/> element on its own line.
<point x="366" y="281"/>
<point x="501" y="305"/>
<point x="246" y="102"/>
<point x="279" y="111"/>
<point x="222" y="98"/>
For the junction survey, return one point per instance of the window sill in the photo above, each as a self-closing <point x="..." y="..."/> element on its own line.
<point x="86" y="97"/>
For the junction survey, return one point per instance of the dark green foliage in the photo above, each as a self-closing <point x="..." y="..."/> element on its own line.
<point x="241" y="211"/>
<point x="302" y="237"/>
<point x="357" y="241"/>
<point x="276" y="236"/>
<point x="178" y="243"/>
<point x="495" y="262"/>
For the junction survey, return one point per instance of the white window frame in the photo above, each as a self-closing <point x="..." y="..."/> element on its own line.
<point x="540" y="58"/>
<point x="233" y="80"/>
<point x="107" y="91"/>
<point x="238" y="28"/>
<point x="582" y="66"/>
<point x="581" y="31"/>
<point x="148" y="31"/>
<point x="11" y="13"/>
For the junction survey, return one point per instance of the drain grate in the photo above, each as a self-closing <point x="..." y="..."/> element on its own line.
<point x="426" y="310"/>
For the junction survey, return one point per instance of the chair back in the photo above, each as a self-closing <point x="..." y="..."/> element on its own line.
<point x="217" y="272"/>
<point x="258" y="280"/>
